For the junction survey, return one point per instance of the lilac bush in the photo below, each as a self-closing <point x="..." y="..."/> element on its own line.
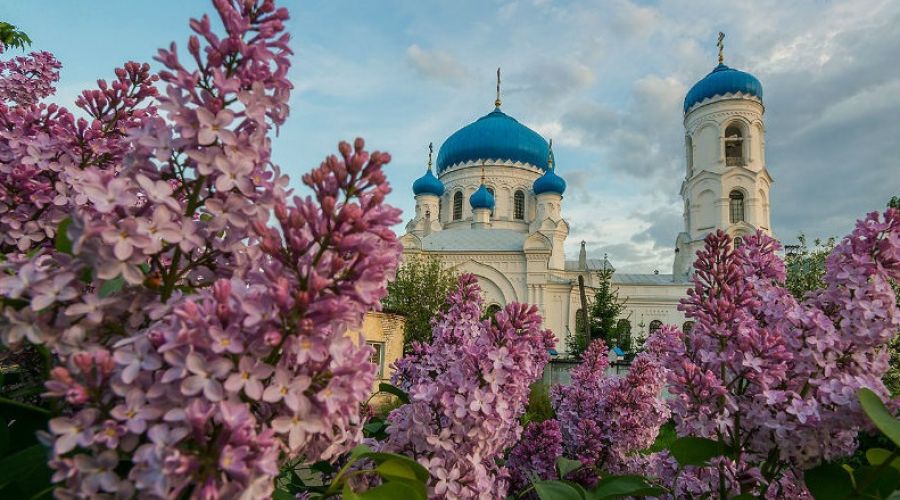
<point x="467" y="390"/>
<point x="775" y="379"/>
<point x="196" y="348"/>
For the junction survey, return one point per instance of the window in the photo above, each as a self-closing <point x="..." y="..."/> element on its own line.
<point x="655" y="325"/>
<point x="738" y="241"/>
<point x="519" y="205"/>
<point x="491" y="190"/>
<point x="687" y="326"/>
<point x="491" y="310"/>
<point x="378" y="357"/>
<point x="457" y="205"/>
<point x="736" y="206"/>
<point x="734" y="146"/>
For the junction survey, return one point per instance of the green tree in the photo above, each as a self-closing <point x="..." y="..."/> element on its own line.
<point x="418" y="293"/>
<point x="10" y="36"/>
<point x="806" y="266"/>
<point x="605" y="312"/>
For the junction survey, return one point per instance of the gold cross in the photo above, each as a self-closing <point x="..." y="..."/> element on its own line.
<point x="430" y="150"/>
<point x="497" y="101"/>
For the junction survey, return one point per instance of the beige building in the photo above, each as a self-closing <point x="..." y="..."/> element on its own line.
<point x="384" y="332"/>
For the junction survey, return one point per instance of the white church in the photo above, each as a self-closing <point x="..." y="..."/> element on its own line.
<point x="494" y="206"/>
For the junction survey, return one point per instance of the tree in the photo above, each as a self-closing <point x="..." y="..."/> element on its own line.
<point x="419" y="292"/>
<point x="10" y="36"/>
<point x="605" y="311"/>
<point x="806" y="266"/>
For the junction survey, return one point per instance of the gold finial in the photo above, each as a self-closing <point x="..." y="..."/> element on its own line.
<point x="497" y="101"/>
<point x="430" y="151"/>
<point x="721" y="46"/>
<point x="550" y="155"/>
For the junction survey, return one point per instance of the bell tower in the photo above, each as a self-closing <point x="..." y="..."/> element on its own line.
<point x="726" y="184"/>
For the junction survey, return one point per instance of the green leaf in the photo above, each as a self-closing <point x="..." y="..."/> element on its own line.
<point x="110" y="287"/>
<point x="879" y="415"/>
<point x="828" y="481"/>
<point x="22" y="464"/>
<point x="692" y="450"/>
<point x="622" y="486"/>
<point x="744" y="496"/>
<point x="565" y="465"/>
<point x="4" y="437"/>
<point x="395" y="468"/>
<point x="390" y="389"/>
<point x="878" y="482"/>
<point x="558" y="490"/>
<point x="323" y="467"/>
<point x="349" y="494"/>
<point x="394" y="490"/>
<point x="877" y="456"/>
<point x="280" y="494"/>
<point x="61" y="241"/>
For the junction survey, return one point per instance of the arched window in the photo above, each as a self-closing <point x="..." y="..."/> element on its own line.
<point x="738" y="241"/>
<point x="736" y="206"/>
<point x="689" y="154"/>
<point x="519" y="205"/>
<point x="655" y="325"/>
<point x="491" y="190"/>
<point x="687" y="326"/>
<point x="457" y="205"/>
<point x="492" y="310"/>
<point x="734" y="146"/>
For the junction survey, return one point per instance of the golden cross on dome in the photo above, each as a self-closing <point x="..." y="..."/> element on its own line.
<point x="721" y="45"/>
<point x="497" y="101"/>
<point x="430" y="151"/>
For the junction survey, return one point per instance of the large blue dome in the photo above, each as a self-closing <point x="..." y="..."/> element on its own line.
<point x="428" y="184"/>
<point x="494" y="136"/>
<point x="723" y="80"/>
<point x="482" y="199"/>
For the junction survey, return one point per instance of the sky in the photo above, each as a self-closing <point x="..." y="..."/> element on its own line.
<point x="605" y="79"/>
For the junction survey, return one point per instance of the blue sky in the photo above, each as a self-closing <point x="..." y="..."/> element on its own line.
<point x="605" y="79"/>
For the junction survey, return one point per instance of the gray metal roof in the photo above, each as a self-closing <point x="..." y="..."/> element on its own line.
<point x="645" y="279"/>
<point x="592" y="265"/>
<point x="470" y="240"/>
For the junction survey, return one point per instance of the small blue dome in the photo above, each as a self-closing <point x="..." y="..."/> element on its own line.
<point x="428" y="184"/>
<point x="723" y="80"/>
<point x="494" y="136"/>
<point x="482" y="199"/>
<point x="550" y="183"/>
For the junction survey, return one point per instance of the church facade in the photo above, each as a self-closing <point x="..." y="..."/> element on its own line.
<point x="493" y="205"/>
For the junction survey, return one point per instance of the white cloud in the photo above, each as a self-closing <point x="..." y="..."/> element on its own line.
<point x="435" y="65"/>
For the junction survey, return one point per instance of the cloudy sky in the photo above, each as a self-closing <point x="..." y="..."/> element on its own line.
<point x="605" y="79"/>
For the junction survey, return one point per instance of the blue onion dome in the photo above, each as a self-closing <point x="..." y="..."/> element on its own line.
<point x="550" y="182"/>
<point x="482" y="198"/>
<point x="428" y="183"/>
<point x="495" y="136"/>
<point x="722" y="81"/>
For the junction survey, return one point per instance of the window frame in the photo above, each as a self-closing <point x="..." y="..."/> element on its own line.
<point x="379" y="351"/>
<point x="737" y="209"/>
<point x="519" y="205"/>
<point x="457" y="205"/>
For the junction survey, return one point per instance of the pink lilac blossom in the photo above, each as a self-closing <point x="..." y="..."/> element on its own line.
<point x="535" y="455"/>
<point x="178" y="309"/>
<point x="602" y="420"/>
<point x="773" y="377"/>
<point x="467" y="390"/>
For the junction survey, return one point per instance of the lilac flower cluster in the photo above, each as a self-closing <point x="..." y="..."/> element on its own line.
<point x="601" y="420"/>
<point x="535" y="455"/>
<point x="197" y="346"/>
<point x="467" y="390"/>
<point x="775" y="378"/>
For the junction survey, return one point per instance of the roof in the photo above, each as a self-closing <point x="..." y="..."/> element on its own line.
<point x="550" y="183"/>
<point x="494" y="136"/>
<point x="592" y="265"/>
<point x="482" y="199"/>
<point x="644" y="279"/>
<point x="723" y="80"/>
<point x="428" y="184"/>
<point x="618" y="350"/>
<point x="466" y="240"/>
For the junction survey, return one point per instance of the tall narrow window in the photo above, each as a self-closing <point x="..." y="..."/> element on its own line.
<point x="687" y="326"/>
<point x="519" y="205"/>
<point x="457" y="205"/>
<point x="734" y="146"/>
<point x="736" y="206"/>
<point x="378" y="357"/>
<point x="655" y="325"/>
<point x="738" y="242"/>
<point x="491" y="190"/>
